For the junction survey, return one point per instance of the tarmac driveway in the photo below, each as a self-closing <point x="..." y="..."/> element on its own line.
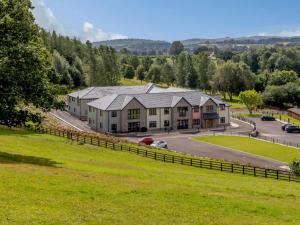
<point x="273" y="129"/>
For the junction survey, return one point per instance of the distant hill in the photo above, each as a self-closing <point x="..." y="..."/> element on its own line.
<point x="143" y="46"/>
<point x="140" y="46"/>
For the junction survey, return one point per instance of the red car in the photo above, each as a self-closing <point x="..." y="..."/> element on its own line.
<point x="146" y="141"/>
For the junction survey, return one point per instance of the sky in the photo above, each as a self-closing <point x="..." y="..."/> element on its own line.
<point x="169" y="20"/>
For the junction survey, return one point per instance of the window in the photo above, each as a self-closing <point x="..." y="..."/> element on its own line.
<point x="100" y="125"/>
<point x="182" y="111"/>
<point x="152" y="124"/>
<point x="100" y="112"/>
<point x="73" y="99"/>
<point x="166" y="123"/>
<point x="90" y="109"/>
<point x="182" y="124"/>
<point x="133" y="114"/>
<point x="209" y="108"/>
<point x="166" y="111"/>
<point x="134" y="127"/>
<point x="90" y="121"/>
<point x="196" y="121"/>
<point x="222" y="106"/>
<point x="114" y="114"/>
<point x="74" y="109"/>
<point x="152" y="112"/>
<point x="196" y="109"/>
<point x="222" y="120"/>
<point x="114" y="127"/>
<point x="93" y="121"/>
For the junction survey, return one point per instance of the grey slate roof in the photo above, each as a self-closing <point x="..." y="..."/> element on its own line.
<point x="154" y="100"/>
<point x="99" y="92"/>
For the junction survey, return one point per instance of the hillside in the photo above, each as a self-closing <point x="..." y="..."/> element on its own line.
<point x="240" y="44"/>
<point x="49" y="180"/>
<point x="137" y="45"/>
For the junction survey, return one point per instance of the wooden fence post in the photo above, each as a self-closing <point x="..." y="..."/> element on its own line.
<point x="221" y="166"/>
<point x="254" y="171"/>
<point x="277" y="174"/>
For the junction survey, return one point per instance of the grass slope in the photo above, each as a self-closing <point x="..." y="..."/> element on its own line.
<point x="49" y="180"/>
<point x="254" y="146"/>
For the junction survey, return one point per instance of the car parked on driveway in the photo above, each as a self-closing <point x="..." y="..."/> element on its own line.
<point x="146" y="140"/>
<point x="159" y="144"/>
<point x="268" y="118"/>
<point x="284" y="126"/>
<point x="292" y="129"/>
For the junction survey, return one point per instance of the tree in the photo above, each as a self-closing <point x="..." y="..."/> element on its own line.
<point x="204" y="66"/>
<point x="232" y="78"/>
<point x="282" y="77"/>
<point x="176" y="48"/>
<point x="62" y="68"/>
<point x="147" y="62"/>
<point x="191" y="78"/>
<point x="251" y="99"/>
<point x="129" y="72"/>
<point x="295" y="167"/>
<point x="154" y="73"/>
<point x="25" y="66"/>
<point x="140" y="72"/>
<point x="180" y="69"/>
<point x="168" y="74"/>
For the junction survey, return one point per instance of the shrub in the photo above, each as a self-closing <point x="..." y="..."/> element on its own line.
<point x="295" y="167"/>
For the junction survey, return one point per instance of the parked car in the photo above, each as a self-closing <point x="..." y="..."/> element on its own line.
<point x="146" y="140"/>
<point x="268" y="118"/>
<point x="292" y="129"/>
<point x="284" y="126"/>
<point x="159" y="144"/>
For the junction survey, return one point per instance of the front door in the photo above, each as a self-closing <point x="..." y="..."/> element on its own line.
<point x="209" y="123"/>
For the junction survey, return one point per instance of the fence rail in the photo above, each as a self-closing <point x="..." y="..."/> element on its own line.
<point x="169" y="158"/>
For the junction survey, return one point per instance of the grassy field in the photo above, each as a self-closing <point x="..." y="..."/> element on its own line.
<point x="235" y="103"/>
<point x="287" y="118"/>
<point x="50" y="180"/>
<point x="254" y="146"/>
<point x="132" y="82"/>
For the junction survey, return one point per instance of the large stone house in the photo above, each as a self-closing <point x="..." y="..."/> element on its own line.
<point x="158" y="109"/>
<point x="77" y="101"/>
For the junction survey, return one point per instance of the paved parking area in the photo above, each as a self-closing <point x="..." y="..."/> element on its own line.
<point x="273" y="129"/>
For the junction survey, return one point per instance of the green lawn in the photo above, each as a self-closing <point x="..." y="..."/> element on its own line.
<point x="132" y="82"/>
<point x="50" y="180"/>
<point x="235" y="103"/>
<point x="287" y="118"/>
<point x="254" y="146"/>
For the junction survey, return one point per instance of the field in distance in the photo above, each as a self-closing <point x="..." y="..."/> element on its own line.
<point x="50" y="180"/>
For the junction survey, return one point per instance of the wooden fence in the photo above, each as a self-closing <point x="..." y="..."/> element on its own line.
<point x="169" y="158"/>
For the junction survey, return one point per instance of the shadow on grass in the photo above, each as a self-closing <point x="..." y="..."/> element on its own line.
<point x="9" y="158"/>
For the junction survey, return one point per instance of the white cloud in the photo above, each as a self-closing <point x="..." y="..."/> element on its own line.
<point x="92" y="33"/>
<point x="45" y="17"/>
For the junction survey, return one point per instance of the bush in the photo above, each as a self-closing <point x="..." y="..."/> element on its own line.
<point x="295" y="167"/>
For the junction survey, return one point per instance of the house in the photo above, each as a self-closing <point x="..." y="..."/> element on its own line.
<point x="77" y="101"/>
<point x="294" y="112"/>
<point x="160" y="110"/>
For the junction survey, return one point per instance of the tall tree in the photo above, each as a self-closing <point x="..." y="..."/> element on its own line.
<point x="191" y="78"/>
<point x="203" y="65"/>
<point x="180" y="69"/>
<point x="176" y="48"/>
<point x="154" y="73"/>
<point x="168" y="74"/>
<point x="140" y="73"/>
<point x="25" y="66"/>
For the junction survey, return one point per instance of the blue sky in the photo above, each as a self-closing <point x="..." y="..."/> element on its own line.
<point x="169" y="19"/>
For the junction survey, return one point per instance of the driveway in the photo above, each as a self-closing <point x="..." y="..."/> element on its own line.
<point x="67" y="118"/>
<point x="272" y="129"/>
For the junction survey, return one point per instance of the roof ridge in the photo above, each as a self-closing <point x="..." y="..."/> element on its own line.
<point x="92" y="88"/>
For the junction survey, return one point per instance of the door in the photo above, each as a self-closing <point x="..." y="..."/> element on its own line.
<point x="209" y="123"/>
